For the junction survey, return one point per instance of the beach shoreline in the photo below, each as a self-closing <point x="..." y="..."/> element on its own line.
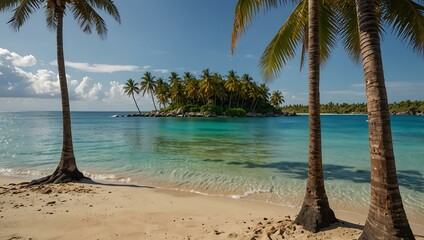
<point x="125" y="211"/>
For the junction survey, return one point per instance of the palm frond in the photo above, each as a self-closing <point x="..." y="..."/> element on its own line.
<point x="328" y="30"/>
<point x="7" y="5"/>
<point x="108" y="6"/>
<point x="349" y="31"/>
<point x="406" y="18"/>
<point x="245" y="12"/>
<point x="22" y="11"/>
<point x="88" y="18"/>
<point x="283" y="46"/>
<point x="51" y="20"/>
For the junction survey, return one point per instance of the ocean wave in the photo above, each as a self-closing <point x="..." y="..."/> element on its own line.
<point x="107" y="177"/>
<point x="251" y="192"/>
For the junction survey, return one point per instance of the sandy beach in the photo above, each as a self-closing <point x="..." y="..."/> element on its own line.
<point x="120" y="211"/>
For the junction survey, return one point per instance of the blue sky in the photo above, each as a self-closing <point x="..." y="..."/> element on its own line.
<point x="168" y="35"/>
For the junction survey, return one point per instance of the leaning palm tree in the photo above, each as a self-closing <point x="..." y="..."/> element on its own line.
<point x="130" y="88"/>
<point x="84" y="13"/>
<point x="313" y="24"/>
<point x="148" y="85"/>
<point x="386" y="217"/>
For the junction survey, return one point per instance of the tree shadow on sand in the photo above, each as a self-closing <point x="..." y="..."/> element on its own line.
<point x="411" y="179"/>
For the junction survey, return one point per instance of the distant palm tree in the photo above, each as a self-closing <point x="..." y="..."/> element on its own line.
<point x="244" y="89"/>
<point x="206" y="85"/>
<point x="276" y="98"/>
<point x="187" y="77"/>
<point x="130" y="88"/>
<point x="84" y="13"/>
<point x="176" y="88"/>
<point x="162" y="92"/>
<point x="192" y="90"/>
<point x="148" y="85"/>
<point x="232" y="84"/>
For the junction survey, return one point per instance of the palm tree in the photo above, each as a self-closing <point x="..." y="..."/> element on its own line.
<point x="162" y="92"/>
<point x="192" y="90"/>
<point x="176" y="88"/>
<point x="130" y="88"/>
<point x="244" y="88"/>
<point x="276" y="98"/>
<point x="313" y="24"/>
<point x="148" y="85"/>
<point x="386" y="217"/>
<point x="86" y="16"/>
<point x="187" y="77"/>
<point x="232" y="84"/>
<point x="206" y="85"/>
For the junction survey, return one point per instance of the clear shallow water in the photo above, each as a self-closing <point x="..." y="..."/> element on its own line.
<point x="256" y="158"/>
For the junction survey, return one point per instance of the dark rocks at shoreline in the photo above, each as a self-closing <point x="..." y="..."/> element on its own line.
<point x="410" y="112"/>
<point x="177" y="113"/>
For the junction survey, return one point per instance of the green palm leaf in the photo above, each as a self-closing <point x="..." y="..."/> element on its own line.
<point x="283" y="46"/>
<point x="246" y="11"/>
<point x="406" y="18"/>
<point x="21" y="13"/>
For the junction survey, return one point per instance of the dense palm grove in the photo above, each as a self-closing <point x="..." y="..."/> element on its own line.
<point x="403" y="107"/>
<point x="210" y="92"/>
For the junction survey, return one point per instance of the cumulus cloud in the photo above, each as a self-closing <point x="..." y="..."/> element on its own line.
<point x="88" y="91"/>
<point x="16" y="59"/>
<point x="17" y="82"/>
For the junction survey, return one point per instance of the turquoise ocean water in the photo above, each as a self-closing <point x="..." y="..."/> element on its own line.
<point x="263" y="159"/>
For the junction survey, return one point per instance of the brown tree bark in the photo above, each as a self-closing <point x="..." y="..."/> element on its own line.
<point x="67" y="170"/>
<point x="386" y="217"/>
<point x="315" y="213"/>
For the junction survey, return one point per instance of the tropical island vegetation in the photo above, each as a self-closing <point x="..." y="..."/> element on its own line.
<point x="212" y="94"/>
<point x="404" y="107"/>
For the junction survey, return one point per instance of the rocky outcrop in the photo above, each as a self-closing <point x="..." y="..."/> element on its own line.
<point x="180" y="113"/>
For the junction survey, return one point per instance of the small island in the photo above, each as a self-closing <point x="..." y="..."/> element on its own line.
<point x="210" y="95"/>
<point x="215" y="95"/>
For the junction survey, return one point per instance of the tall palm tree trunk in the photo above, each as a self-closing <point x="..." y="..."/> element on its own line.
<point x="315" y="213"/>
<point x="153" y="100"/>
<point x="136" y="103"/>
<point x="67" y="169"/>
<point x="231" y="96"/>
<point x="386" y="217"/>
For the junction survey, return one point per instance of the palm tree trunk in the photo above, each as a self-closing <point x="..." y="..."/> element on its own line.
<point x="386" y="217"/>
<point x="315" y="213"/>
<point x="67" y="169"/>
<point x="136" y="103"/>
<point x="231" y="96"/>
<point x="153" y="100"/>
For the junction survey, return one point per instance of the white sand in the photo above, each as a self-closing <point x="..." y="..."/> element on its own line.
<point x="89" y="211"/>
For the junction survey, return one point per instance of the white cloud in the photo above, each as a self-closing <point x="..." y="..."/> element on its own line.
<point x="249" y="56"/>
<point x="16" y="59"/>
<point x="99" y="68"/>
<point x="161" y="70"/>
<point x="39" y="88"/>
